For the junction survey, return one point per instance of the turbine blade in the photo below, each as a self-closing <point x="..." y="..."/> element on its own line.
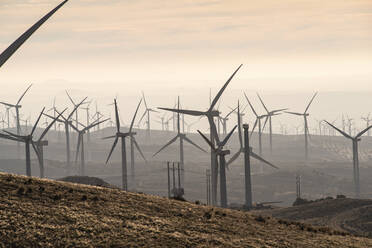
<point x="266" y="119"/>
<point x="223" y="143"/>
<point x="234" y="157"/>
<point x="213" y="128"/>
<point x="14" y="135"/>
<point x="37" y="122"/>
<point x="117" y="117"/>
<point x="5" y="55"/>
<point x="144" y="114"/>
<point x="362" y="132"/>
<point x="240" y="127"/>
<point x="109" y="137"/>
<point x="36" y="151"/>
<point x="76" y="107"/>
<point x="24" y="93"/>
<point x="183" y="111"/>
<point x="278" y="110"/>
<point x="254" y="126"/>
<point x="262" y="102"/>
<point x="254" y="111"/>
<point x="293" y="113"/>
<point x="95" y="124"/>
<point x="207" y="140"/>
<point x="192" y="143"/>
<point x="8" y="104"/>
<point x="217" y="97"/>
<point x="144" y="100"/>
<point x="308" y="106"/>
<point x="112" y="149"/>
<point x="340" y="131"/>
<point x="4" y="136"/>
<point x="167" y="144"/>
<point x="254" y="155"/>
<point x="69" y="97"/>
<point x="232" y="111"/>
<point x="139" y="149"/>
<point x="134" y="117"/>
<point x="50" y="125"/>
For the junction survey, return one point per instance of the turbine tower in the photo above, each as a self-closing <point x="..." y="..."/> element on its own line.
<point x="182" y="137"/>
<point x="219" y="151"/>
<point x="122" y="136"/>
<point x="306" y="128"/>
<point x="7" y="53"/>
<point x="17" y="106"/>
<point x="355" y="141"/>
<point x="80" y="143"/>
<point x="66" y="122"/>
<point x="211" y="113"/>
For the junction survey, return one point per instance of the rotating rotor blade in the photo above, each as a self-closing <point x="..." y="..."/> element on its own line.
<point x="24" y="93"/>
<point x="8" y="104"/>
<point x="167" y="144"/>
<point x="207" y="140"/>
<point x="134" y="117"/>
<point x="254" y="155"/>
<point x="278" y="110"/>
<point x="232" y="111"/>
<point x="213" y="128"/>
<point x="5" y="55"/>
<point x="254" y="111"/>
<point x="76" y="107"/>
<point x="94" y="124"/>
<point x="223" y="143"/>
<point x="240" y="127"/>
<point x="362" y="132"/>
<point x="266" y="119"/>
<point x="192" y="143"/>
<point x="262" y="102"/>
<point x="109" y="137"/>
<point x="293" y="113"/>
<point x="50" y="125"/>
<point x="254" y="126"/>
<point x="37" y="122"/>
<point x="69" y="97"/>
<point x="139" y="149"/>
<point x="234" y="157"/>
<point x="308" y="106"/>
<point x="144" y="100"/>
<point x="36" y="151"/>
<point x="187" y="112"/>
<point x="339" y="130"/>
<point x="217" y="97"/>
<point x="4" y="136"/>
<point x="117" y="119"/>
<point x="144" y="114"/>
<point x="112" y="148"/>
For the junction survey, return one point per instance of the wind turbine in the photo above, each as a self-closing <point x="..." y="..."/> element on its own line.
<point x="258" y="121"/>
<point x="80" y="143"/>
<point x="211" y="113"/>
<point x="66" y="122"/>
<point x="17" y="106"/>
<point x="77" y="109"/>
<point x="367" y="120"/>
<point x="269" y="115"/>
<point x="182" y="137"/>
<point x="242" y="149"/>
<point x="306" y="128"/>
<point x="28" y="140"/>
<point x="219" y="151"/>
<point x="223" y="121"/>
<point x="40" y="143"/>
<point x="355" y="141"/>
<point x="122" y="136"/>
<point x="147" y="113"/>
<point x="7" y="53"/>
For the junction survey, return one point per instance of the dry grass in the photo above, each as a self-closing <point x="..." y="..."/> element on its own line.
<point x="45" y="213"/>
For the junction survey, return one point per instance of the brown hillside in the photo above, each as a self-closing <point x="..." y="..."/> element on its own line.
<point x="352" y="215"/>
<point x="47" y="213"/>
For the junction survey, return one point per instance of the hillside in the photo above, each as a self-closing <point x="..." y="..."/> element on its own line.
<point x="48" y="213"/>
<point x="351" y="215"/>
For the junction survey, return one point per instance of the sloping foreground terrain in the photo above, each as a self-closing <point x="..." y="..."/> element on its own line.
<point x="45" y="213"/>
<point x="351" y="215"/>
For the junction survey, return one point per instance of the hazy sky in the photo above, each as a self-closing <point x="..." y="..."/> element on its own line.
<point x="129" y="45"/>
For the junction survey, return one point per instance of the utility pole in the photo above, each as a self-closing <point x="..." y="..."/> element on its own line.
<point x="298" y="186"/>
<point x="247" y="168"/>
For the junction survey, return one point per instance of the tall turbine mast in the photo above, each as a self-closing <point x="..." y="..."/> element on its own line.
<point x="306" y="128"/>
<point x="211" y="113"/>
<point x="355" y="141"/>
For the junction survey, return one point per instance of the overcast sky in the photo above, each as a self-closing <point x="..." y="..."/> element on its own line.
<point x="134" y="45"/>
